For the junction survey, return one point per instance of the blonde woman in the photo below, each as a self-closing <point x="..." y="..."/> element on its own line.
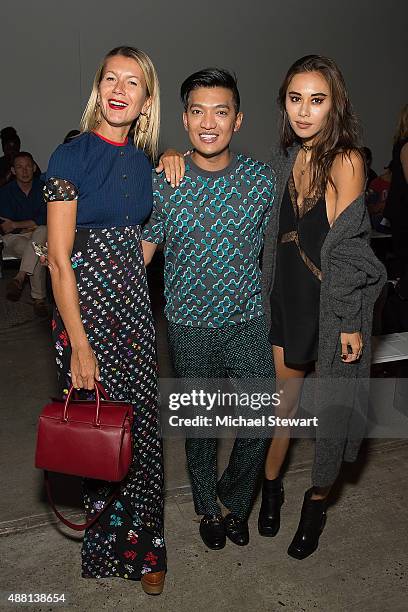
<point x="99" y="193"/>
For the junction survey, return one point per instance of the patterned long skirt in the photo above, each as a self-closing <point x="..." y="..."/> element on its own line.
<point x="127" y="540"/>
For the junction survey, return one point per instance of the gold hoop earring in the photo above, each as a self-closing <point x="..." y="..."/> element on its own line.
<point x="97" y="113"/>
<point x="146" y="120"/>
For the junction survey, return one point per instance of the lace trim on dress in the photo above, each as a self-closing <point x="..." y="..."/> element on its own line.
<point x="307" y="203"/>
<point x="293" y="236"/>
<point x="57" y="189"/>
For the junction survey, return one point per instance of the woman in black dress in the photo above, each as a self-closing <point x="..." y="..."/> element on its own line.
<point x="99" y="192"/>
<point x="320" y="173"/>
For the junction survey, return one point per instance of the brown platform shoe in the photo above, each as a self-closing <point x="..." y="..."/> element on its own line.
<point x="153" y="582"/>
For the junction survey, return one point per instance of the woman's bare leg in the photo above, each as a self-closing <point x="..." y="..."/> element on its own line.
<point x="289" y="381"/>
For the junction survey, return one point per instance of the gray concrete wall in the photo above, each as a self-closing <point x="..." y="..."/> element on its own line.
<point x="50" y="52"/>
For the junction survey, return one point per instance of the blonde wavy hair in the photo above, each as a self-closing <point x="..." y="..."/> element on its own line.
<point x="146" y="127"/>
<point x="402" y="126"/>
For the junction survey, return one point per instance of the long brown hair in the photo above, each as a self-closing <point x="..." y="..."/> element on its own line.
<point x="341" y="133"/>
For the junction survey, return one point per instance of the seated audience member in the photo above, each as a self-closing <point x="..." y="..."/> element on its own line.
<point x="23" y="221"/>
<point x="395" y="312"/>
<point x="396" y="207"/>
<point x="10" y="142"/>
<point x="371" y="174"/>
<point x="376" y="197"/>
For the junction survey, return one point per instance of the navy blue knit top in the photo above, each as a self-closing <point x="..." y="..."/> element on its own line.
<point x="111" y="181"/>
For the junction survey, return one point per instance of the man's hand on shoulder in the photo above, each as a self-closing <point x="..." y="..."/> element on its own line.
<point x="173" y="165"/>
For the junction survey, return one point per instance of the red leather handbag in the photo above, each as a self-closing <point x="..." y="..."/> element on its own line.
<point x="88" y="438"/>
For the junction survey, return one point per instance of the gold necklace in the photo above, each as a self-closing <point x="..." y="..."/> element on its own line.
<point x="306" y="149"/>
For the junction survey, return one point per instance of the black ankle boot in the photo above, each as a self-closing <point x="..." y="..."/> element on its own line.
<point x="311" y="524"/>
<point x="269" y="513"/>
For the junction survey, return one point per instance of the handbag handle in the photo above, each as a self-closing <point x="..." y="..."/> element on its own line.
<point x="99" y="390"/>
<point x="76" y="526"/>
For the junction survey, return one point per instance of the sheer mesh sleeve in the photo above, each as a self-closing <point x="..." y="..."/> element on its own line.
<point x="56" y="189"/>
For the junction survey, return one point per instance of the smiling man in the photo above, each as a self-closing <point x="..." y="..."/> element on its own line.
<point x="212" y="226"/>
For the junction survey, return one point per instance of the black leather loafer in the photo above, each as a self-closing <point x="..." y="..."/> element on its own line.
<point x="212" y="531"/>
<point x="236" y="529"/>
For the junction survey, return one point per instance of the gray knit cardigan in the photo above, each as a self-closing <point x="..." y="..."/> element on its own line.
<point x="352" y="279"/>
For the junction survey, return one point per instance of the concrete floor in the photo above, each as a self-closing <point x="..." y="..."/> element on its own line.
<point x="361" y="563"/>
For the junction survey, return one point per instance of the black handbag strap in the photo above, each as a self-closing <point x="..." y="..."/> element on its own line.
<point x="76" y="526"/>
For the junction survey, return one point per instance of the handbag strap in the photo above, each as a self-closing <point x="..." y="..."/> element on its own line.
<point x="76" y="526"/>
<point x="99" y="391"/>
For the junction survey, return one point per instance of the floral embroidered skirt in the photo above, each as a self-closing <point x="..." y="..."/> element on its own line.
<point x="127" y="541"/>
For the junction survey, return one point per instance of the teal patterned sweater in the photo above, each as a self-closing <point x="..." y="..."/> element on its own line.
<point x="212" y="227"/>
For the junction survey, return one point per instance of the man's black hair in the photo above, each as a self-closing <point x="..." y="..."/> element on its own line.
<point x="210" y="77"/>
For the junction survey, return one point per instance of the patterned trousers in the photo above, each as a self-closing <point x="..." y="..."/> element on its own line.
<point x="235" y="351"/>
